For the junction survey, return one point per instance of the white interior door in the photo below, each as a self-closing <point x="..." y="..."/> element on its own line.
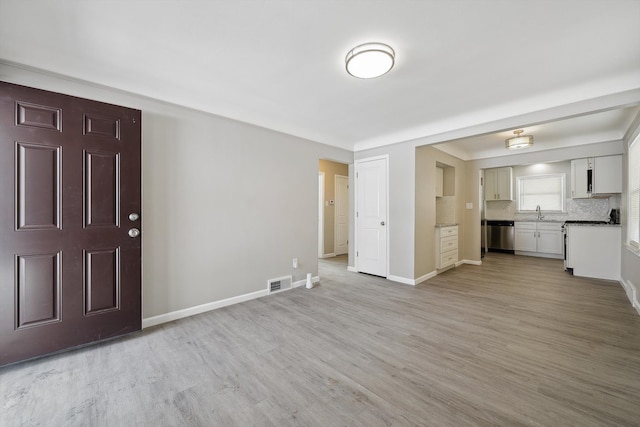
<point x="341" y="228"/>
<point x="371" y="216"/>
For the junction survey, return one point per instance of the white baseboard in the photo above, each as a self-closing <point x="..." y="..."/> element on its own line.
<point x="632" y="294"/>
<point x="352" y="269"/>
<point x="303" y="282"/>
<point x="331" y="255"/>
<point x="203" y="308"/>
<point x="191" y="311"/>
<point x="468" y="261"/>
<point x="403" y="280"/>
<point x="426" y="277"/>
<point x="412" y="282"/>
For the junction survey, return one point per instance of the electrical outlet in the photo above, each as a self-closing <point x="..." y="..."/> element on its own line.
<point x="295" y="263"/>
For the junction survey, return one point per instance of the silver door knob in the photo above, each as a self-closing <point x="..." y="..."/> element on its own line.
<point x="381" y="222"/>
<point x="134" y="232"/>
<point x="133" y="216"/>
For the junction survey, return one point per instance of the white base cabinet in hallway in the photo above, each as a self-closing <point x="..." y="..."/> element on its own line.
<point x="446" y="246"/>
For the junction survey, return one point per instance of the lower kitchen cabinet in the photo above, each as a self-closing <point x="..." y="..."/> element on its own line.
<point x="543" y="239"/>
<point x="446" y="246"/>
<point x="594" y="251"/>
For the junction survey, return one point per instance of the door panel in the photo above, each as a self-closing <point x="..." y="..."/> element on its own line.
<point x="38" y="186"/>
<point x="69" y="272"/>
<point x="101" y="189"/>
<point x="102" y="280"/>
<point x="38" y="289"/>
<point x="371" y="220"/>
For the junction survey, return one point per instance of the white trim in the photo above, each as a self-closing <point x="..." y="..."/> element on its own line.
<point x="412" y="282"/>
<point x="331" y="255"/>
<point x="303" y="282"/>
<point x="351" y="269"/>
<point x="402" y="280"/>
<point x="539" y="254"/>
<point x="426" y="277"/>
<point x="469" y="261"/>
<point x="321" y="184"/>
<point x="632" y="294"/>
<point x="203" y="308"/>
<point x="631" y="249"/>
<point x="335" y="198"/>
<point x="356" y="162"/>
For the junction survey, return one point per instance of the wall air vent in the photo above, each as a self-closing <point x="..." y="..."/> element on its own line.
<point x="279" y="284"/>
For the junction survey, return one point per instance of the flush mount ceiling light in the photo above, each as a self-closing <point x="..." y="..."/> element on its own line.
<point x="370" y="60"/>
<point x="518" y="141"/>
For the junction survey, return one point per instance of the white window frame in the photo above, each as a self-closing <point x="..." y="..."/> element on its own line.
<point x="521" y="179"/>
<point x="633" y="195"/>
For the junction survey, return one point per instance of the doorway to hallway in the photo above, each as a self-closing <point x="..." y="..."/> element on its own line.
<point x="333" y="208"/>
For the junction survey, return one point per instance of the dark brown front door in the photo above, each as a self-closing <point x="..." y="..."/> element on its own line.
<point x="70" y="273"/>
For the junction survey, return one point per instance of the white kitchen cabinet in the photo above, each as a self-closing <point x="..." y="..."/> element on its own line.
<point x="543" y="239"/>
<point x="498" y="184"/>
<point x="446" y="246"/>
<point x="550" y="240"/>
<point x="594" y="250"/>
<point x="579" y="178"/>
<point x="439" y="182"/>
<point x="607" y="175"/>
<point x="525" y="236"/>
<point x="598" y="175"/>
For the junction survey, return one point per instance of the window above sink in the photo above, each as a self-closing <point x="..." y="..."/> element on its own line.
<point x="545" y="193"/>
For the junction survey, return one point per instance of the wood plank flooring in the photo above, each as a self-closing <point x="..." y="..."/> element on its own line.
<point x="513" y="342"/>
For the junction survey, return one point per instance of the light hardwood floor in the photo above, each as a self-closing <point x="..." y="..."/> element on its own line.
<point x="513" y="342"/>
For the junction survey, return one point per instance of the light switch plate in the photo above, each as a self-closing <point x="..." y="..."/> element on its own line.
<point x="469" y="205"/>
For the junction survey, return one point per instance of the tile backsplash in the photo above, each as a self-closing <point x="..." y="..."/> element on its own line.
<point x="576" y="209"/>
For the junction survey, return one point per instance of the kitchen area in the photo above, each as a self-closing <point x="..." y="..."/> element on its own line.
<point x="567" y="210"/>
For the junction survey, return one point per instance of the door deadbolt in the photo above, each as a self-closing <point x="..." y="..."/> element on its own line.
<point x="134" y="232"/>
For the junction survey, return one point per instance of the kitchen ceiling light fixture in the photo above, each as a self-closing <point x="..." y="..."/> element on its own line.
<point x="518" y="141"/>
<point x="370" y="60"/>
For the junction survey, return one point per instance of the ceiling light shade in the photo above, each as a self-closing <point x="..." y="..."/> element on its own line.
<point x="518" y="141"/>
<point x="370" y="60"/>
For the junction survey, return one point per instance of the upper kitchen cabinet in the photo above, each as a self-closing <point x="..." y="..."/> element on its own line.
<point x="607" y="175"/>
<point x="498" y="184"/>
<point x="598" y="175"/>
<point x="581" y="178"/>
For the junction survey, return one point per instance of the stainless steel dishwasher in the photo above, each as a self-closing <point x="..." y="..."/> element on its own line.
<point x="500" y="236"/>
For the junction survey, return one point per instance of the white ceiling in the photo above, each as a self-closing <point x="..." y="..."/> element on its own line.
<point x="586" y="129"/>
<point x="280" y="64"/>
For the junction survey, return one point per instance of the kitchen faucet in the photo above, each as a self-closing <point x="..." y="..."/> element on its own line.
<point x="540" y="216"/>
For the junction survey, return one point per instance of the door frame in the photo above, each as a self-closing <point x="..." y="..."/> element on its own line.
<point x="335" y="216"/>
<point x="321" y="184"/>
<point x="356" y="165"/>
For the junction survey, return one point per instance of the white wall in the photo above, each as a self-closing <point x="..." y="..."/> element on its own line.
<point x="226" y="205"/>
<point x="630" y="268"/>
<point x="401" y="224"/>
